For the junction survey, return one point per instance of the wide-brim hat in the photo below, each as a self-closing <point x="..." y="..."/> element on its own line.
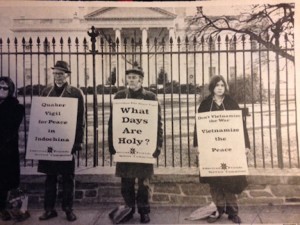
<point x="135" y="70"/>
<point x="62" y="65"/>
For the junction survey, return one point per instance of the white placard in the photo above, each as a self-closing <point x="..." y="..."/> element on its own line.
<point x="221" y="143"/>
<point x="52" y="128"/>
<point x="134" y="130"/>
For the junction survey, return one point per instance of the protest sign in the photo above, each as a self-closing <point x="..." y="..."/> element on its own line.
<point x="134" y="130"/>
<point x="52" y="128"/>
<point x="221" y="143"/>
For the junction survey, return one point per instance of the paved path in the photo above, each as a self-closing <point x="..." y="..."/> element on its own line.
<point x="94" y="215"/>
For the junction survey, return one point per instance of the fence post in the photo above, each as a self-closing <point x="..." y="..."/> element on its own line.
<point x="93" y="34"/>
<point x="276" y="32"/>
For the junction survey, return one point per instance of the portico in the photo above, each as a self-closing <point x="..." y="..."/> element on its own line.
<point x="127" y="33"/>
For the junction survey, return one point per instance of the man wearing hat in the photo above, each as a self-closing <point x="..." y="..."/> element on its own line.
<point x="129" y="172"/>
<point x="66" y="169"/>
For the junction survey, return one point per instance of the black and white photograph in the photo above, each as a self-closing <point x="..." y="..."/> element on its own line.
<point x="136" y="112"/>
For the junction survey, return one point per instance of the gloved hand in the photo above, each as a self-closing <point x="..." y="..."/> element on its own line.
<point x="112" y="150"/>
<point x="156" y="153"/>
<point x="77" y="147"/>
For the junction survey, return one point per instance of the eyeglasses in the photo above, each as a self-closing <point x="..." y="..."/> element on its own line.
<point x="58" y="74"/>
<point x="4" y="88"/>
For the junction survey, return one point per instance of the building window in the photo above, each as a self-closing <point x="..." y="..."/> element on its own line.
<point x="28" y="74"/>
<point x="211" y="71"/>
<point x="86" y="73"/>
<point x="232" y="72"/>
<point x="46" y="46"/>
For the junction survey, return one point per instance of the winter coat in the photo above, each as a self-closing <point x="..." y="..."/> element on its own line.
<point x="11" y="115"/>
<point x="131" y="170"/>
<point x="66" y="167"/>
<point x="233" y="184"/>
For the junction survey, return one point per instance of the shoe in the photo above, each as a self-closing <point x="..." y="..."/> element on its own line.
<point x="71" y="216"/>
<point x="5" y="215"/>
<point x="23" y="216"/>
<point x="235" y="218"/>
<point x="145" y="218"/>
<point x="48" y="215"/>
<point x="213" y="217"/>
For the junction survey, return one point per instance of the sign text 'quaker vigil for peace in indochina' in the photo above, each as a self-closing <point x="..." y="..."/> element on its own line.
<point x="134" y="130"/>
<point x="221" y="143"/>
<point x="52" y="128"/>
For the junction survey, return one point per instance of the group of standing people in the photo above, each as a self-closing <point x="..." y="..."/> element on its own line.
<point x="11" y="115"/>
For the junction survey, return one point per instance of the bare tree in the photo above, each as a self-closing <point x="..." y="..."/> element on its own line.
<point x="265" y="24"/>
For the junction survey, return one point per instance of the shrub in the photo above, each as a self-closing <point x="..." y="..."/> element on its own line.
<point x="241" y="89"/>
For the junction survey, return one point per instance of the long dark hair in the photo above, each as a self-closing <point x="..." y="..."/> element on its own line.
<point x="10" y="84"/>
<point x="213" y="83"/>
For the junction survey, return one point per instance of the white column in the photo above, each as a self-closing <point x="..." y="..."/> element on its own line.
<point x="144" y="63"/>
<point x="119" y="64"/>
<point x="174" y="69"/>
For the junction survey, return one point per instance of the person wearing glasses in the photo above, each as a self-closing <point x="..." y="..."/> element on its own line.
<point x="11" y="115"/>
<point x="129" y="172"/>
<point x="66" y="169"/>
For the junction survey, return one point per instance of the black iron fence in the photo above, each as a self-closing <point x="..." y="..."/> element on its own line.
<point x="177" y="70"/>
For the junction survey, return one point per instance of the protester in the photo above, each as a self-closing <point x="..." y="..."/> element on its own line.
<point x="66" y="169"/>
<point x="223" y="189"/>
<point x="11" y="115"/>
<point x="129" y="172"/>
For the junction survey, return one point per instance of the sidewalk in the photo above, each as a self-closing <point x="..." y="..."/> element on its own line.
<point x="93" y="215"/>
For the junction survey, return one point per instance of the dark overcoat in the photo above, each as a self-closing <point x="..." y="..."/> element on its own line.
<point x="138" y="170"/>
<point x="11" y="115"/>
<point x="229" y="182"/>
<point x="66" y="167"/>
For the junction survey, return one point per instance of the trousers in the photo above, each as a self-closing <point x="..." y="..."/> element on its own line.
<point x="224" y="200"/>
<point x="142" y="196"/>
<point x="51" y="191"/>
<point x="3" y="198"/>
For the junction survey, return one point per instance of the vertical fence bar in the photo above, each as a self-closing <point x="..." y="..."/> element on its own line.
<point x="172" y="102"/>
<point x="278" y="108"/>
<point x="16" y="62"/>
<point x="1" y="57"/>
<point x="93" y="34"/>
<point x="164" y="99"/>
<point x="24" y="94"/>
<point x="287" y="104"/>
<point x="227" y="57"/>
<point x="46" y="45"/>
<point x="62" y="49"/>
<point x="252" y="104"/>
<point x="179" y="100"/>
<point x="244" y="72"/>
<point x="195" y="73"/>
<point x="38" y="65"/>
<point x="187" y="98"/>
<point x="85" y="47"/>
<point x="53" y="50"/>
<point x="261" y="106"/>
<point x="269" y="105"/>
<point x="103" y="98"/>
<point x="219" y="54"/>
<point x="8" y="57"/>
<point x="235" y="60"/>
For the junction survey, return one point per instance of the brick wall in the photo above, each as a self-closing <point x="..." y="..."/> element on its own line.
<point x="171" y="186"/>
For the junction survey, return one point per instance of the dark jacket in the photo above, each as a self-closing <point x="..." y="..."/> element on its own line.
<point x="139" y="170"/>
<point x="229" y="104"/>
<point x="67" y="167"/>
<point x="11" y="115"/>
